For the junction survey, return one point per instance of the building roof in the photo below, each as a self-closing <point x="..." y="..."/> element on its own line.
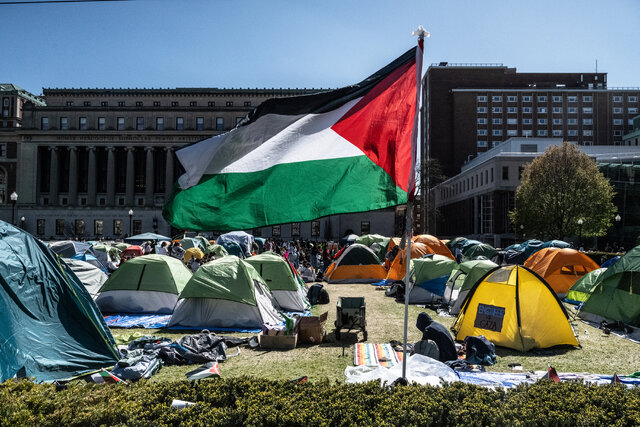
<point x="17" y="90"/>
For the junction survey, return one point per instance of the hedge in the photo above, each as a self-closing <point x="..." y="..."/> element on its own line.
<point x="249" y="401"/>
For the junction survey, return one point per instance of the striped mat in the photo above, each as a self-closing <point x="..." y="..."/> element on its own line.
<point x="375" y="354"/>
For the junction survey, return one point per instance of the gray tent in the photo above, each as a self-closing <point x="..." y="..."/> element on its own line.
<point x="91" y="276"/>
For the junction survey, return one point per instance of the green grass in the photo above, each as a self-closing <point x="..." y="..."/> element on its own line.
<point x="602" y="354"/>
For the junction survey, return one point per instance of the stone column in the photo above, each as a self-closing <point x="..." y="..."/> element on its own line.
<point x="92" y="179"/>
<point x="111" y="176"/>
<point x="149" y="183"/>
<point x="168" y="179"/>
<point x="131" y="179"/>
<point x="73" y="176"/>
<point x="53" y="176"/>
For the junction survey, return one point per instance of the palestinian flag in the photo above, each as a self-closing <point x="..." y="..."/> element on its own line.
<point x="300" y="158"/>
<point x="205" y="371"/>
<point x="615" y="379"/>
<point x="105" y="377"/>
<point x="552" y="374"/>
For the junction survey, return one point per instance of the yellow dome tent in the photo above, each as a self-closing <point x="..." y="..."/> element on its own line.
<point x="514" y="307"/>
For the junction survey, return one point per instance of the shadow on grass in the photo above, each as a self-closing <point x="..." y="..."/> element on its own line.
<point x="347" y="339"/>
<point x="538" y="352"/>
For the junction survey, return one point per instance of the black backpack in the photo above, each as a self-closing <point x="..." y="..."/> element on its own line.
<point x="317" y="294"/>
<point x="479" y="350"/>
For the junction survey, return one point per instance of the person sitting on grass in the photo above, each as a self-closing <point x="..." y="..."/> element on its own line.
<point x="439" y="334"/>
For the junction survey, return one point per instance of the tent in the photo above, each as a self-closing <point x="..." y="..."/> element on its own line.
<point x="608" y="263"/>
<point x="429" y="276"/>
<point x="132" y="252"/>
<point x="381" y="242"/>
<point x="480" y="250"/>
<point x="191" y="242"/>
<point x="397" y="270"/>
<point x="434" y="244"/>
<point x="349" y="239"/>
<point x="106" y="253"/>
<point x="226" y="293"/>
<point x="356" y="264"/>
<point x="281" y="281"/>
<point x="91" y="276"/>
<point x="514" y="307"/>
<point x="121" y="246"/>
<point x="219" y="251"/>
<point x="139" y="239"/>
<point x="509" y="257"/>
<point x="50" y="325"/>
<point x="463" y="279"/>
<point x="193" y="253"/>
<point x="582" y="289"/>
<point x="88" y="258"/>
<point x="69" y="248"/>
<point x="232" y="248"/>
<point x="616" y="296"/>
<point x="561" y="268"/>
<point x="244" y="239"/>
<point x="456" y="242"/>
<point x="146" y="284"/>
<point x="532" y="246"/>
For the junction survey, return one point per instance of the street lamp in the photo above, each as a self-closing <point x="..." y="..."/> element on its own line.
<point x="618" y="218"/>
<point x="130" y="222"/>
<point x="22" y="220"/>
<point x="580" y="222"/>
<point x="522" y="231"/>
<point x="14" y="199"/>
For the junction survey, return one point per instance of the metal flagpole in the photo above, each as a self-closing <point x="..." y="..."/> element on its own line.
<point x="421" y="33"/>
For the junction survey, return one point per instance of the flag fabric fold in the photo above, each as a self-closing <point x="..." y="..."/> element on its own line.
<point x="300" y="158"/>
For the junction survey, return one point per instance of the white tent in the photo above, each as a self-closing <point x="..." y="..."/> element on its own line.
<point x="91" y="276"/>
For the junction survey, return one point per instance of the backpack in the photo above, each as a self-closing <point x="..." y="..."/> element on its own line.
<point x="427" y="348"/>
<point x="479" y="350"/>
<point x="317" y="294"/>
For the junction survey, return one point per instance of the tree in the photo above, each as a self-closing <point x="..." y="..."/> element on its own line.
<point x="559" y="188"/>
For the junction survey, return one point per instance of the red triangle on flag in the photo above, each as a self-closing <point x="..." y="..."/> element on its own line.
<point x="552" y="374"/>
<point x="615" y="379"/>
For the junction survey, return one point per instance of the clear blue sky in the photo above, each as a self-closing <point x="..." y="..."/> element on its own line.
<point x="330" y="43"/>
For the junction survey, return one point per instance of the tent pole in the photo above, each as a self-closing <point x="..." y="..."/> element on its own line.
<point x="407" y="283"/>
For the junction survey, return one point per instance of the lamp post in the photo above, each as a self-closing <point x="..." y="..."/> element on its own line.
<point x="155" y="225"/>
<point x="580" y="222"/>
<point x="14" y="199"/>
<point x="130" y="222"/>
<point x="22" y="220"/>
<point x="522" y="230"/>
<point x="618" y="218"/>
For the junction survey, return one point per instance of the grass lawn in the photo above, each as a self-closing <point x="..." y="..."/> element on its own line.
<point x="601" y="354"/>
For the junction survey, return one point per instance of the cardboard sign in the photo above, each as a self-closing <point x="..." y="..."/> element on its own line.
<point x="489" y="317"/>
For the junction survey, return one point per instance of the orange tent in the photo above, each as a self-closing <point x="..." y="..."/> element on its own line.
<point x="561" y="268"/>
<point x="436" y="245"/>
<point x="398" y="267"/>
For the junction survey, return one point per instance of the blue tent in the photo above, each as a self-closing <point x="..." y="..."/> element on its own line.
<point x="51" y="328"/>
<point x="86" y="257"/>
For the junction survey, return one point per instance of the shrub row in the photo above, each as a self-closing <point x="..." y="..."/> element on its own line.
<point x="249" y="401"/>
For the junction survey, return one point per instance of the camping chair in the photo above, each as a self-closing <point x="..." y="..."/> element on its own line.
<point x="351" y="315"/>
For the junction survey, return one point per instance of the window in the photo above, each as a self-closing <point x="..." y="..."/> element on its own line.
<point x="587" y="98"/>
<point x="219" y="123"/>
<point x="632" y="99"/>
<point x="199" y="123"/>
<point x="315" y="228"/>
<point x="617" y="110"/>
<point x="120" y="103"/>
<point x="512" y="98"/>
<point x="44" y="123"/>
<point x="557" y="110"/>
<point x="137" y="226"/>
<point x="104" y="104"/>
<point x="174" y="103"/>
<point x="179" y="123"/>
<point x="630" y="122"/>
<point x="512" y="132"/>
<point x="617" y="99"/>
<point x="512" y="121"/>
<point x="497" y="109"/>
<point x="572" y="132"/>
<point x="588" y="132"/>
<point x="211" y="104"/>
<point x="572" y="99"/>
<point x="82" y="123"/>
<point x="97" y="227"/>
<point x="40" y="226"/>
<point x="505" y="173"/>
<point x="482" y="109"/>
<point x="117" y="227"/>
<point x="572" y="110"/>
<point x="572" y="121"/>
<point x="497" y="132"/>
<point x="138" y="103"/>
<point x="5" y="102"/>
<point x="633" y="110"/>
<point x="295" y="228"/>
<point x="542" y="121"/>
<point x="193" y="104"/>
<point x="87" y="103"/>
<point x="496" y="99"/>
<point x="587" y="122"/>
<point x="275" y="231"/>
<point x="542" y="99"/>
<point x="526" y="99"/>
<point x="617" y="133"/>
<point x="557" y="121"/>
<point x="159" y="123"/>
<point x="557" y="132"/>
<point x="69" y="103"/>
<point x="120" y="123"/>
<point x="229" y="104"/>
<point x="64" y="123"/>
<point x="59" y="227"/>
<point x="156" y="103"/>
<point x="482" y="121"/>
<point x="512" y="110"/>
<point x="587" y="110"/>
<point x="482" y="132"/>
<point x="101" y="123"/>
<point x="139" y="123"/>
<point x="483" y="144"/>
<point x="482" y="98"/>
<point x="526" y="109"/>
<point x="527" y="132"/>
<point x="527" y="121"/>
<point x="79" y="227"/>
<point x="247" y="103"/>
<point x="497" y="121"/>
<point x="557" y="99"/>
<point x="542" y="110"/>
<point x="542" y="132"/>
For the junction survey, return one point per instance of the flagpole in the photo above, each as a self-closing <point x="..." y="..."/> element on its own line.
<point x="421" y="33"/>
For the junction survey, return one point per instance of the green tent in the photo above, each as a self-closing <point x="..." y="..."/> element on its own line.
<point x="472" y="252"/>
<point x="582" y="289"/>
<point x="370" y="239"/>
<point x="50" y="325"/>
<point x="429" y="275"/>
<point x="227" y="292"/>
<point x="280" y="280"/>
<point x="145" y="284"/>
<point x="113" y="251"/>
<point x="121" y="246"/>
<point x="219" y="251"/>
<point x="457" y="242"/>
<point x="463" y="279"/>
<point x="616" y="295"/>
